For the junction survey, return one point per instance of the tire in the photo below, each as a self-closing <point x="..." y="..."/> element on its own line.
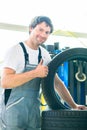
<point x="64" y="120"/>
<point x="49" y="93"/>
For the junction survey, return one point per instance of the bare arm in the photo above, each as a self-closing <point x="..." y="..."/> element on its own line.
<point x="65" y="94"/>
<point x="10" y="79"/>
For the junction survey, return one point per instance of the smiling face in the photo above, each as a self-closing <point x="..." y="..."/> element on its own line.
<point x="39" y="34"/>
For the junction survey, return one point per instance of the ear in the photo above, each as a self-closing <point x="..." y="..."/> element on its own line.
<point x="30" y="29"/>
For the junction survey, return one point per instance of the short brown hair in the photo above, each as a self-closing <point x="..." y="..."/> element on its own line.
<point x="39" y="19"/>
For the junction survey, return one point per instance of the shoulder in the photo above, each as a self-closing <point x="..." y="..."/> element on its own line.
<point x="45" y="55"/>
<point x="14" y="51"/>
<point x="43" y="50"/>
<point x="14" y="58"/>
<point x="15" y="48"/>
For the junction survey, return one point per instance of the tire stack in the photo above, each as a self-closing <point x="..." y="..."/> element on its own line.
<point x="61" y="117"/>
<point x="64" y="120"/>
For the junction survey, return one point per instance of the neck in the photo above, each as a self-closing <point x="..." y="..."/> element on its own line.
<point x="31" y="44"/>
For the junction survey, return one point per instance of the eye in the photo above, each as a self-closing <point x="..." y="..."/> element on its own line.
<point x="41" y="30"/>
<point x="48" y="32"/>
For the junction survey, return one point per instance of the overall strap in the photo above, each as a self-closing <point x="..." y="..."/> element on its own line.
<point x="39" y="56"/>
<point x="25" y="53"/>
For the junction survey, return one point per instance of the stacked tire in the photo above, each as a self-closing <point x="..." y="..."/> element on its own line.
<point x="64" y="120"/>
<point x="61" y="117"/>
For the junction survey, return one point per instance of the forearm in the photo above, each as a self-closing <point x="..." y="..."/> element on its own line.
<point x="66" y="96"/>
<point x="10" y="79"/>
<point x="15" y="80"/>
<point x="64" y="93"/>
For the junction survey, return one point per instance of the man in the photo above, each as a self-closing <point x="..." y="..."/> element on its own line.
<point x="25" y="65"/>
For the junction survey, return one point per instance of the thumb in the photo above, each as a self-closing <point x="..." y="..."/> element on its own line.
<point x="41" y="62"/>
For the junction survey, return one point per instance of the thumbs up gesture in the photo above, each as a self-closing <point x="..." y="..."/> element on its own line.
<point x="42" y="70"/>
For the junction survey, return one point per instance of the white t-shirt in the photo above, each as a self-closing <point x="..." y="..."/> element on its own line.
<point x="15" y="59"/>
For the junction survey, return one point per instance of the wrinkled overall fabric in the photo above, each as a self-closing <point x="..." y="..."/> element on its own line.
<point x="22" y="110"/>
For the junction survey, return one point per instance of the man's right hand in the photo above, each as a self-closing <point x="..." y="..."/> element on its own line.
<point x="42" y="70"/>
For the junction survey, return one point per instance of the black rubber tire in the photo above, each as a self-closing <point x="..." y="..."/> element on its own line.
<point x="50" y="96"/>
<point x="64" y="120"/>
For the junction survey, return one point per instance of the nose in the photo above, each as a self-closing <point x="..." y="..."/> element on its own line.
<point x="44" y="34"/>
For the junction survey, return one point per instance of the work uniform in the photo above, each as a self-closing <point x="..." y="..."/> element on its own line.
<point x="22" y="110"/>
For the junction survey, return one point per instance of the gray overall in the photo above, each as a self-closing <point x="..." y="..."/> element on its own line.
<point x="22" y="112"/>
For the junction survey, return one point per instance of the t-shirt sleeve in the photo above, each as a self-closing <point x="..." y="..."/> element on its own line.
<point x="12" y="58"/>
